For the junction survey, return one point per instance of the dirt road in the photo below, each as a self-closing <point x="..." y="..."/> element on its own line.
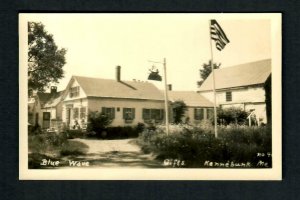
<point x="116" y="153"/>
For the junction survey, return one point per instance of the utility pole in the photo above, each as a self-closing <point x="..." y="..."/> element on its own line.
<point x="166" y="93"/>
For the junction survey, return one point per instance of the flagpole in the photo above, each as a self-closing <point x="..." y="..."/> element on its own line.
<point x="166" y="96"/>
<point x="214" y="87"/>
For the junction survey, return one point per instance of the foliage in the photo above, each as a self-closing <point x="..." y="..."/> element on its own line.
<point x="34" y="130"/>
<point x="140" y="127"/>
<point x="268" y="94"/>
<point x="73" y="148"/>
<point x="206" y="70"/>
<point x="71" y="134"/>
<point x="232" y="115"/>
<point x="97" y="122"/>
<point x="179" y="108"/>
<point x="196" y="145"/>
<point x="46" y="143"/>
<point x="45" y="60"/>
<point x="120" y="132"/>
<point x="54" y="145"/>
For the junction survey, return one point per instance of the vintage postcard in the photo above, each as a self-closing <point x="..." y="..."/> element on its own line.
<point x="144" y="96"/>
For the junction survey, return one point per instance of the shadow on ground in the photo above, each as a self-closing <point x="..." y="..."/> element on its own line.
<point x="119" y="159"/>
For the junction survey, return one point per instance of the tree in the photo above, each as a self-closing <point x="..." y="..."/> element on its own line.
<point x="268" y="95"/>
<point x="45" y="60"/>
<point x="179" y="108"/>
<point x="206" y="70"/>
<point x="232" y="115"/>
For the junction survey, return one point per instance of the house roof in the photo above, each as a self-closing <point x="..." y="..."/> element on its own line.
<point x="97" y="87"/>
<point x="49" y="99"/>
<point x="44" y="97"/>
<point x="240" y="75"/>
<point x="54" y="99"/>
<point x="190" y="98"/>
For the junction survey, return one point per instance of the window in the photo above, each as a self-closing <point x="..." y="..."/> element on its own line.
<point x="109" y="112"/>
<point x="210" y="113"/>
<point x="82" y="112"/>
<point x="199" y="113"/>
<point x="228" y="96"/>
<point x="74" y="91"/>
<point x="156" y="114"/>
<point x="153" y="114"/>
<point x="128" y="113"/>
<point x="75" y="113"/>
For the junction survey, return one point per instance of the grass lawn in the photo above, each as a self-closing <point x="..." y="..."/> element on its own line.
<point x="52" y="147"/>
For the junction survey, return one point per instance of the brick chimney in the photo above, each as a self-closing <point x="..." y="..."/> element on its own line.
<point x="118" y="73"/>
<point x="53" y="89"/>
<point x="170" y="87"/>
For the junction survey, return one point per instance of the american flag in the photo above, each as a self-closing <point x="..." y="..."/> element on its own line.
<point x="218" y="35"/>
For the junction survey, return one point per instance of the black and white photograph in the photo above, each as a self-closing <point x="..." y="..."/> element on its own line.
<point x="150" y="96"/>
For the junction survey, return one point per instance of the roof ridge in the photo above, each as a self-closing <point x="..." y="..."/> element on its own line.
<point x="112" y="79"/>
<point x="247" y="63"/>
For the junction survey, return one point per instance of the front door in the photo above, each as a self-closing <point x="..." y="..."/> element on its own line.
<point x="46" y="119"/>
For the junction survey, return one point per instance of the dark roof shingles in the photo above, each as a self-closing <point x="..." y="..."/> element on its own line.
<point x="96" y="87"/>
<point x="240" y="75"/>
<point x="190" y="98"/>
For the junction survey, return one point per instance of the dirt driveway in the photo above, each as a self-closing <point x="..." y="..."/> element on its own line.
<point x="117" y="153"/>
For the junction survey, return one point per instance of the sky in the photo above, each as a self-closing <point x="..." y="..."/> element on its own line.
<point x="97" y="43"/>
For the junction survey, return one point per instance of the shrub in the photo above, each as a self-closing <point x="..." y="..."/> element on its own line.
<point x="232" y="115"/>
<point x="118" y="132"/>
<point x="97" y="122"/>
<point x="73" y="148"/>
<point x="140" y="127"/>
<point x="71" y="134"/>
<point x="46" y="143"/>
<point x="34" y="130"/>
<point x="123" y="132"/>
<point x="55" y="145"/>
<point x="195" y="145"/>
<point x="179" y="108"/>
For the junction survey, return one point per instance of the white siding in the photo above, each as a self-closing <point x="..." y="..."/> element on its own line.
<point x="81" y="92"/>
<point x="96" y="104"/>
<point x="247" y="98"/>
<point x="250" y="94"/>
<point x="77" y="103"/>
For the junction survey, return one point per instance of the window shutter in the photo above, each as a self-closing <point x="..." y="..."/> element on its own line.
<point x="201" y="113"/>
<point x="195" y="113"/>
<point x="103" y="110"/>
<point x="133" y="113"/>
<point x="144" y="111"/>
<point x="124" y="112"/>
<point x="113" y="112"/>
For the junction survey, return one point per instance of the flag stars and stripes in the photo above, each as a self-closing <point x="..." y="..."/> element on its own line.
<point x="218" y="35"/>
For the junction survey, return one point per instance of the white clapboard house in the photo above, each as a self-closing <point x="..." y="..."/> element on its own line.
<point x="241" y="86"/>
<point x="125" y="102"/>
